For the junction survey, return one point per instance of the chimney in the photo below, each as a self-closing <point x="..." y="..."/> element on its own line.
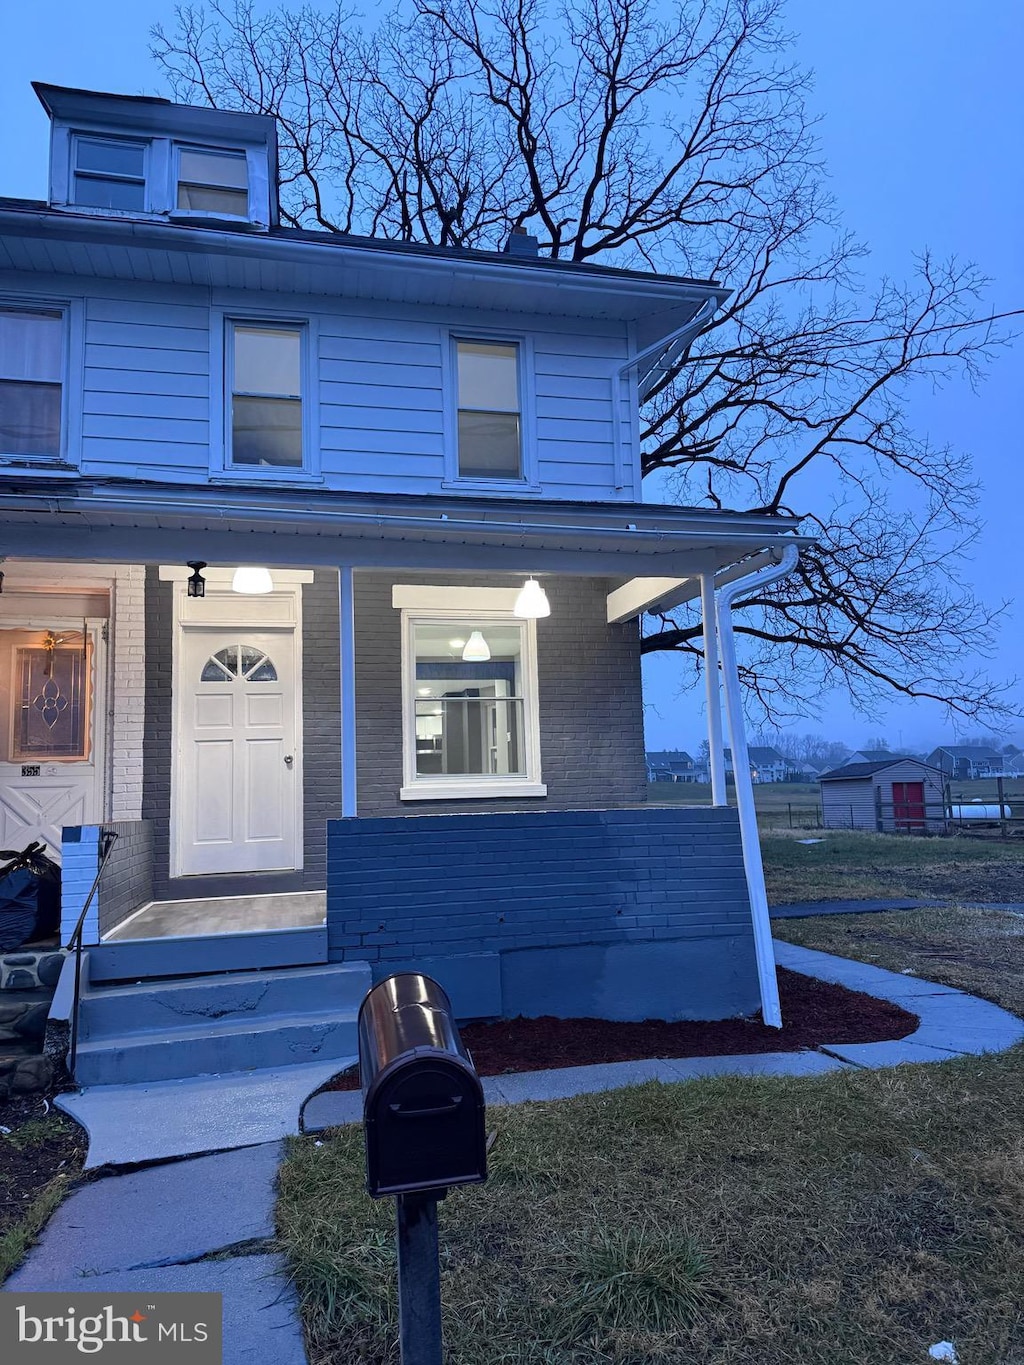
<point x="520" y="243"/>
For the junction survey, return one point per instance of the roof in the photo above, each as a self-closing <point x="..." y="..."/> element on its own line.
<point x="853" y="771"/>
<point x="968" y="751"/>
<point x="879" y="755"/>
<point x="668" y="756"/>
<point x="296" y="526"/>
<point x="760" y="754"/>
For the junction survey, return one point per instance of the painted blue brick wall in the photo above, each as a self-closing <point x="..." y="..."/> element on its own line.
<point x="455" y="884"/>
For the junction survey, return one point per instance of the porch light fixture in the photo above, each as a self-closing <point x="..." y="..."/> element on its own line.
<point x="252" y="580"/>
<point x="196" y="582"/>
<point x="532" y="601"/>
<point x="477" y="650"/>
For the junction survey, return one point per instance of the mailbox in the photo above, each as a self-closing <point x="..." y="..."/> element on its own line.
<point x="423" y="1104"/>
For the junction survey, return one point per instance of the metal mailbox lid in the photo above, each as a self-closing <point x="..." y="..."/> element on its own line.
<point x="406" y="1014"/>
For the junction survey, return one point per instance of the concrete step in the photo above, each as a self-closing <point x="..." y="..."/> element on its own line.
<point x="249" y="997"/>
<point x="212" y="1047"/>
<point x="134" y="959"/>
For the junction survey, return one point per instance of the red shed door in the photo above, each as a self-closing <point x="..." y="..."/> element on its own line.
<point x="908" y="805"/>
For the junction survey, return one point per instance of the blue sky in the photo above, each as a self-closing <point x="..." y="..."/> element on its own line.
<point x="923" y="123"/>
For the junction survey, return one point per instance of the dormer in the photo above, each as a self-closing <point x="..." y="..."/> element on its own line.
<point x="133" y="156"/>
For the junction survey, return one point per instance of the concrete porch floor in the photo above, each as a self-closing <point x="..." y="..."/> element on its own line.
<point x="228" y="915"/>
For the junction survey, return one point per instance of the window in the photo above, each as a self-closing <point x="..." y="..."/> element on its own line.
<point x="213" y="182"/>
<point x="51" y="716"/>
<point x="110" y="173"/>
<point x="471" y="725"/>
<point x="31" y="363"/>
<point x="489" y="432"/>
<point x="266" y="395"/>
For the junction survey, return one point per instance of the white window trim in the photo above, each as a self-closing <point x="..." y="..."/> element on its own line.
<point x="433" y="605"/>
<point x="222" y="322"/>
<point x="527" y="484"/>
<point x="150" y="163"/>
<point x="72" y="379"/>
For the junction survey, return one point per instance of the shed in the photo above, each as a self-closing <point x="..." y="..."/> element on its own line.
<point x="893" y="795"/>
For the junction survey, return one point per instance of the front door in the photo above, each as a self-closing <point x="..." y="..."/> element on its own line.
<point x="52" y="730"/>
<point x="236" y="798"/>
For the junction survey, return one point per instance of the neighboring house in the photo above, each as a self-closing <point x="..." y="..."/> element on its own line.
<point x="766" y="764"/>
<point x="325" y="558"/>
<point x="670" y="765"/>
<point x="872" y="756"/>
<point x="967" y="762"/>
<point x="893" y="795"/>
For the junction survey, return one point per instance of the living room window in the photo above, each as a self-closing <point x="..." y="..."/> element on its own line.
<point x="265" y="363"/>
<point x="471" y="715"/>
<point x="31" y="381"/>
<point x="489" y="410"/>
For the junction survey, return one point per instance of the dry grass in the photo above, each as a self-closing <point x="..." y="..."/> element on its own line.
<point x="847" y="865"/>
<point x="850" y="1219"/>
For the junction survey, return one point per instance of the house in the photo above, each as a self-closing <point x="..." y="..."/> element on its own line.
<point x="890" y="795"/>
<point x="670" y="765"/>
<point x="766" y="764"/>
<point x="873" y="756"/>
<point x="325" y="558"/>
<point x="967" y="762"/>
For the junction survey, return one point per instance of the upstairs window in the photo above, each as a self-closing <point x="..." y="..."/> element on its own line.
<point x="31" y="364"/>
<point x="110" y="173"/>
<point x="213" y="182"/>
<point x="266" y="395"/>
<point x="490" y="441"/>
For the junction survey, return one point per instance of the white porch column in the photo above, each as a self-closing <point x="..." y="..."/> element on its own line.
<point x="716" y="750"/>
<point x="347" y="620"/>
<point x="771" y="1010"/>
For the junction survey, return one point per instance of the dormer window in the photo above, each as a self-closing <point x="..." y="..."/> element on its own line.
<point x="212" y="181"/>
<point x="110" y="174"/>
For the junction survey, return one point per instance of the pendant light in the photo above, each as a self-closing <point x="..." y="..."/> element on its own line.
<point x="477" y="650"/>
<point x="251" y="580"/>
<point x="532" y="601"/>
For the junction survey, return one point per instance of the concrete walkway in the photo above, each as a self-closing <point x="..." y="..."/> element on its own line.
<point x="805" y="909"/>
<point x="207" y="1223"/>
<point x="204" y="1225"/>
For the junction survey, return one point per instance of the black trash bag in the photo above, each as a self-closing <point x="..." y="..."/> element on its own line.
<point x="29" y="897"/>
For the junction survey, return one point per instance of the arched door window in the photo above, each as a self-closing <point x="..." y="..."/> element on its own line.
<point x="241" y="662"/>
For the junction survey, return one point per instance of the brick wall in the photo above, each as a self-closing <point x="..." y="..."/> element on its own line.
<point x="128" y="708"/>
<point x="127" y="880"/>
<point x="321" y="721"/>
<point x="591" y="717"/>
<point x="546" y="879"/>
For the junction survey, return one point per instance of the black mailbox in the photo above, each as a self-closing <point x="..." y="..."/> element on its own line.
<point x="423" y="1104"/>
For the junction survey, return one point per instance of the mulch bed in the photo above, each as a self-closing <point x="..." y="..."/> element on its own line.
<point x="814" y="1012"/>
<point x="57" y="1146"/>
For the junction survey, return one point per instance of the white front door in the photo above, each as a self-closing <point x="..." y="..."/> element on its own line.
<point x="238" y="788"/>
<point x="52" y="730"/>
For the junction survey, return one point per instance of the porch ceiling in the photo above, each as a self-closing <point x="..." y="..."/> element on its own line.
<point x="136" y="523"/>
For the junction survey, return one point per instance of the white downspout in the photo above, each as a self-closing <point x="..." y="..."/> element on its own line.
<point x="771" y="1011"/>
<point x="712" y="691"/>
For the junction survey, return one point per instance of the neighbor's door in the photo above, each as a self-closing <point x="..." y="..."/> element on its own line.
<point x="235" y="802"/>
<point x="908" y="805"/>
<point x="52" y="730"/>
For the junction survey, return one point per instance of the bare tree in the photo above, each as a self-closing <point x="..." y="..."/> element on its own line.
<point x="670" y="135"/>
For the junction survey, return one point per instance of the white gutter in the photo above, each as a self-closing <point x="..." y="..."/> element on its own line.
<point x="771" y="1011"/>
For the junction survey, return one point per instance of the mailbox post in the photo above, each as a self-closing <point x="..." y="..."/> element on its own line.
<point x="423" y="1120"/>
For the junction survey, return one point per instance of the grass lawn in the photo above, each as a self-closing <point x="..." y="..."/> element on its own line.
<point x="857" y="1217"/>
<point x="40" y="1155"/>
<point x="847" y="865"/>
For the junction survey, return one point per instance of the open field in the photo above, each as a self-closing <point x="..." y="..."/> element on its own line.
<point x="848" y="865"/>
<point x="851" y="1218"/>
